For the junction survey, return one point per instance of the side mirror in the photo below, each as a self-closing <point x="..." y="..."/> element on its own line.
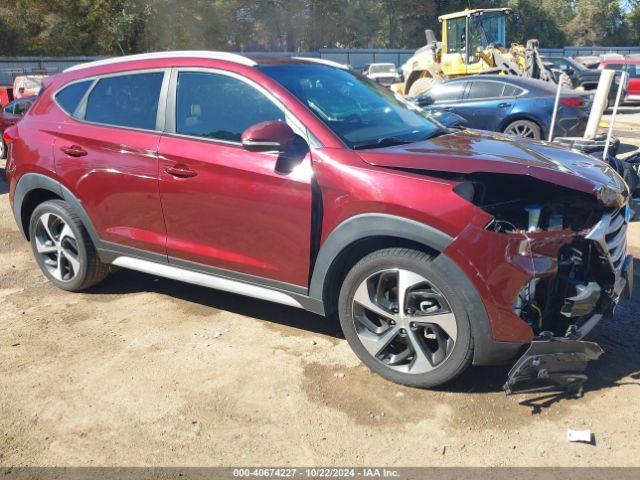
<point x="270" y="136"/>
<point x="569" y="71"/>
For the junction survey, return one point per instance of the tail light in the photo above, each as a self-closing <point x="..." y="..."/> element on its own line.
<point x="6" y="136"/>
<point x="572" y="102"/>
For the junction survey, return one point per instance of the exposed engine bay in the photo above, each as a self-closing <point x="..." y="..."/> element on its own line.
<point x="579" y="279"/>
<point x="574" y="248"/>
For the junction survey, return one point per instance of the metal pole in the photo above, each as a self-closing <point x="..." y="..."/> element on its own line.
<point x="555" y="110"/>
<point x="600" y="100"/>
<point x="623" y="82"/>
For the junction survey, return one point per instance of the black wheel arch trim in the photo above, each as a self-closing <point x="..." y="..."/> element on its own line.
<point x="487" y="351"/>
<point x="366" y="225"/>
<point x="36" y="181"/>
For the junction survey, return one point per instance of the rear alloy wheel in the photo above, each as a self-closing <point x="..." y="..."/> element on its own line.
<point x="403" y="320"/>
<point x="525" y="129"/>
<point x="63" y="249"/>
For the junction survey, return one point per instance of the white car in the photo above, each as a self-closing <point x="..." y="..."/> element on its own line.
<point x="383" y="73"/>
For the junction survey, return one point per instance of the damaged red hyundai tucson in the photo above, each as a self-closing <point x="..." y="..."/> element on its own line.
<point x="300" y="182"/>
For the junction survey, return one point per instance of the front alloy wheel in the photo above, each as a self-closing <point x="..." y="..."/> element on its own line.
<point x="404" y="321"/>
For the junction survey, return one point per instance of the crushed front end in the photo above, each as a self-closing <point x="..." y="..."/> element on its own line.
<point x="554" y="261"/>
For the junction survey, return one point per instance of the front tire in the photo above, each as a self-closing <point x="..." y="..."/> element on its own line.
<point x="3" y="149"/>
<point x="63" y="249"/>
<point x="425" y="343"/>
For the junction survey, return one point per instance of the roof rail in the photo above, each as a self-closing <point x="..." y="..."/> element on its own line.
<point x="206" y="54"/>
<point x="323" y="61"/>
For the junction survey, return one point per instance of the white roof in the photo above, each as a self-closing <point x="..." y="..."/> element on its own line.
<point x="205" y="54"/>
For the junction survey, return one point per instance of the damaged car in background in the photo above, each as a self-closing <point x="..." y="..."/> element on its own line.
<point x="300" y="182"/>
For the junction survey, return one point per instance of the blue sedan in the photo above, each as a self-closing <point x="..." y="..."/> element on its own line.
<point x="513" y="105"/>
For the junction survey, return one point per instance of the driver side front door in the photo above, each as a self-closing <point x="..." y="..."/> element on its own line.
<point x="229" y="211"/>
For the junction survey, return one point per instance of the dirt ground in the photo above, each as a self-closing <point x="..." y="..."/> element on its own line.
<point x="143" y="371"/>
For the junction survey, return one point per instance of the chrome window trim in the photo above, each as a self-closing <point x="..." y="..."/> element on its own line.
<point x="172" y="95"/>
<point x="466" y="99"/>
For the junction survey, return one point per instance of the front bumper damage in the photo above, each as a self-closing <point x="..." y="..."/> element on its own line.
<point x="559" y="363"/>
<point x="551" y="291"/>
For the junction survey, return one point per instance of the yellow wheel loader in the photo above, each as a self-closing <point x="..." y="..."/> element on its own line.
<point x="473" y="42"/>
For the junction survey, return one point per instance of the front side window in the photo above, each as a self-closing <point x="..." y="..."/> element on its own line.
<point x="356" y="109"/>
<point x="483" y="89"/>
<point x="220" y="107"/>
<point x="614" y="66"/>
<point x="126" y="100"/>
<point x="634" y="71"/>
<point x="69" y="97"/>
<point x="9" y="108"/>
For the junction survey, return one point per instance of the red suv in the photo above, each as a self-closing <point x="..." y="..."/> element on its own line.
<point x="301" y="182"/>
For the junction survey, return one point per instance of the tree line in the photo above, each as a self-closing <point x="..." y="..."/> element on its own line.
<point x="112" y="27"/>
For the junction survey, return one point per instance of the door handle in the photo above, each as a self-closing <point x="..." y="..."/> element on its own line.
<point x="181" y="171"/>
<point x="504" y="105"/>
<point x="74" y="151"/>
<point x="447" y="109"/>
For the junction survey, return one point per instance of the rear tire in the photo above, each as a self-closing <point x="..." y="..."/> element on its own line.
<point x="524" y="129"/>
<point x="63" y="249"/>
<point x="425" y="345"/>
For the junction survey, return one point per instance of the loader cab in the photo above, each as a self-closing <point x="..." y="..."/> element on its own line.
<point x="468" y="33"/>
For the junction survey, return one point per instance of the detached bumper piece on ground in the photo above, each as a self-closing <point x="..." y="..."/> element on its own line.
<point x="552" y="364"/>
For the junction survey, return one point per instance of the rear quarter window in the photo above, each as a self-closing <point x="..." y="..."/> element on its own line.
<point x="511" y="91"/>
<point x="70" y="96"/>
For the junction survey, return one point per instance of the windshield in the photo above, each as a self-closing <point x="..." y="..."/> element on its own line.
<point x="383" y="68"/>
<point x="358" y="111"/>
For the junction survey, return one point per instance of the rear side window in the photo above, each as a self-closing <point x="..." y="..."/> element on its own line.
<point x="634" y="71"/>
<point x="614" y="66"/>
<point x="479" y="90"/>
<point x="126" y="100"/>
<point x="69" y="97"/>
<point x="220" y="107"/>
